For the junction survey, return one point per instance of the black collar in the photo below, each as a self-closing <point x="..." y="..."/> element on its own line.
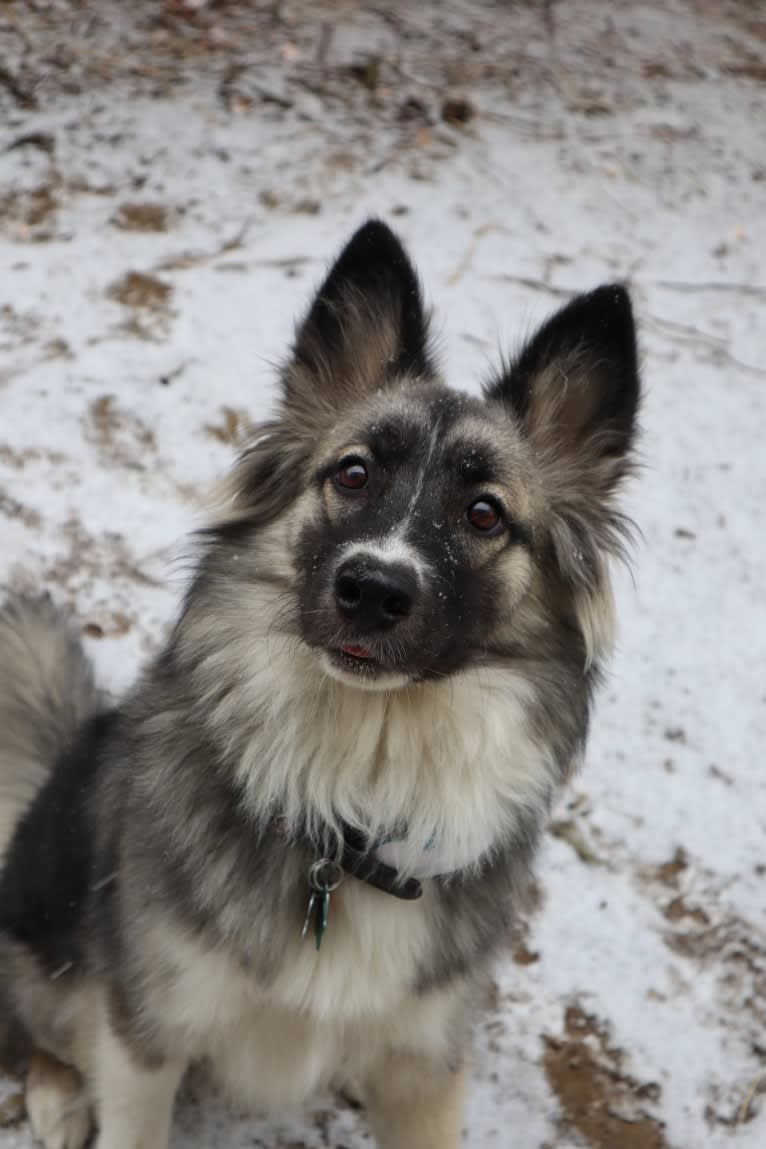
<point x="359" y="862"/>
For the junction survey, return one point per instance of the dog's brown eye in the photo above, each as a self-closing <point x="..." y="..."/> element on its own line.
<point x="352" y="475"/>
<point x="484" y="516"/>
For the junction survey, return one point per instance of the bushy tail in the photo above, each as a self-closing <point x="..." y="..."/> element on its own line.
<point x="46" y="692"/>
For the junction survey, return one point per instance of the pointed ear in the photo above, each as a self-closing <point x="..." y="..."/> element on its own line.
<point x="574" y="392"/>
<point x="366" y="326"/>
<point x="574" y="388"/>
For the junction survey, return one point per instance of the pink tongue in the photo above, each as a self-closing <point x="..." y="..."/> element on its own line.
<point x="356" y="651"/>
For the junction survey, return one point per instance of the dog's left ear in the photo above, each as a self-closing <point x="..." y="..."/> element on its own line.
<point x="366" y="326"/>
<point x="574" y="389"/>
<point x="574" y="392"/>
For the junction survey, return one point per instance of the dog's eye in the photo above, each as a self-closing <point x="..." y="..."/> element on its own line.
<point x="352" y="475"/>
<point x="484" y="516"/>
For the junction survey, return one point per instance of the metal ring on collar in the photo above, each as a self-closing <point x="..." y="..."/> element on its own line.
<point x="325" y="875"/>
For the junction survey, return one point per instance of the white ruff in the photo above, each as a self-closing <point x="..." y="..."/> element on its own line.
<point x="453" y="762"/>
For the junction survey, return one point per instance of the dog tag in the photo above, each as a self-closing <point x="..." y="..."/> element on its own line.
<point x="323" y="913"/>
<point x="307" y="919"/>
<point x="324" y="878"/>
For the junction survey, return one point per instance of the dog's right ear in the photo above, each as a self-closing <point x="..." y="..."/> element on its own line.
<point x="366" y="327"/>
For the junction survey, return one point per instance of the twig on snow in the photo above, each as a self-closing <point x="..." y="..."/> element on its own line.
<point x="756" y="289"/>
<point x="467" y="260"/>
<point x="690" y="334"/>
<point x="536" y="285"/>
<point x="744" y="1110"/>
<point x="195" y="258"/>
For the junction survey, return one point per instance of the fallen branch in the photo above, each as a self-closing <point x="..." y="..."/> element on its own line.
<point x="467" y="260"/>
<point x="689" y="334"/>
<point x="536" y="285"/>
<point x="755" y="289"/>
<point x="686" y="331"/>
<point x="195" y="258"/>
<point x="743" y="1112"/>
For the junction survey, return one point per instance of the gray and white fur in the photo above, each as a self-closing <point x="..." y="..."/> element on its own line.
<point x="396" y="625"/>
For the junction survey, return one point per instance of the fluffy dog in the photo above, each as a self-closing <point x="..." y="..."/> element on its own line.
<point x="296" y="846"/>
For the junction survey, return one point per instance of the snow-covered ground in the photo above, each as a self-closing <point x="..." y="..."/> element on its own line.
<point x="173" y="181"/>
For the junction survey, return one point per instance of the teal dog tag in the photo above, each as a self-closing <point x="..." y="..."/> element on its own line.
<point x="324" y="878"/>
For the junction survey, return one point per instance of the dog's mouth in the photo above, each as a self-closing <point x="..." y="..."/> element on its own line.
<point x="356" y="663"/>
<point x="356" y="658"/>
<point x="361" y="652"/>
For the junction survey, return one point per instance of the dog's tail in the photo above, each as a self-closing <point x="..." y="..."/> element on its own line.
<point x="46" y="692"/>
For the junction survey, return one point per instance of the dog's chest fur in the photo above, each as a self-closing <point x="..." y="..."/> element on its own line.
<point x="323" y="1017"/>
<point x="457" y="762"/>
<point x="449" y="766"/>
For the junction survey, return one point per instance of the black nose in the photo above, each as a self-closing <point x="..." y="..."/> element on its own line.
<point x="375" y="597"/>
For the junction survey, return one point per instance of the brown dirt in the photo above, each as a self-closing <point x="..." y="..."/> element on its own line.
<point x="735" y="951"/>
<point x="13" y="509"/>
<point x="678" y="910"/>
<point x="522" y="955"/>
<point x="138" y="290"/>
<point x="598" y="1099"/>
<point x="27" y="214"/>
<point x="148" y="300"/>
<point x="12" y="1110"/>
<point x="669" y="872"/>
<point x="233" y="428"/>
<point x="85" y="557"/>
<point x="121" y="437"/>
<point x="142" y="217"/>
<point x="568" y="830"/>
<point x="113" y="625"/>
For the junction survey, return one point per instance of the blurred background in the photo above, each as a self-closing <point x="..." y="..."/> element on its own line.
<point x="174" y="179"/>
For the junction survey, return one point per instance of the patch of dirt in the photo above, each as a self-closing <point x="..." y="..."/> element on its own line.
<point x="752" y="69"/>
<point x="233" y="429"/>
<point x="13" y="1110"/>
<point x="19" y="458"/>
<point x="87" y="558"/>
<point x="522" y="955"/>
<point x="58" y="348"/>
<point x="669" y="872"/>
<point x="457" y="111"/>
<point x="679" y="910"/>
<point x="569" y="831"/>
<point x="120" y="436"/>
<point x="13" y="509"/>
<point x="16" y="326"/>
<point x="725" y="1111"/>
<point x="598" y="1099"/>
<point x="142" y="217"/>
<point x="522" y="947"/>
<point x="148" y="299"/>
<point x="26" y="215"/>
<point x="139" y="291"/>
<point x="113" y="624"/>
<point x="737" y="948"/>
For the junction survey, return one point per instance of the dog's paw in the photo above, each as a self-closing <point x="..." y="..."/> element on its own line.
<point x="56" y="1104"/>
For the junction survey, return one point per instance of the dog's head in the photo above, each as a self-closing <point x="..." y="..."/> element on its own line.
<point x="415" y="530"/>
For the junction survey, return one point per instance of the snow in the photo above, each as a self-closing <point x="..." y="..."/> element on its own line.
<point x="610" y="142"/>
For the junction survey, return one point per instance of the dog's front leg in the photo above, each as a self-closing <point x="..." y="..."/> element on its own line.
<point x="134" y="1100"/>
<point x="414" y="1103"/>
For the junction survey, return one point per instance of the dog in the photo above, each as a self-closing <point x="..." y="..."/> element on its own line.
<point x="297" y="845"/>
